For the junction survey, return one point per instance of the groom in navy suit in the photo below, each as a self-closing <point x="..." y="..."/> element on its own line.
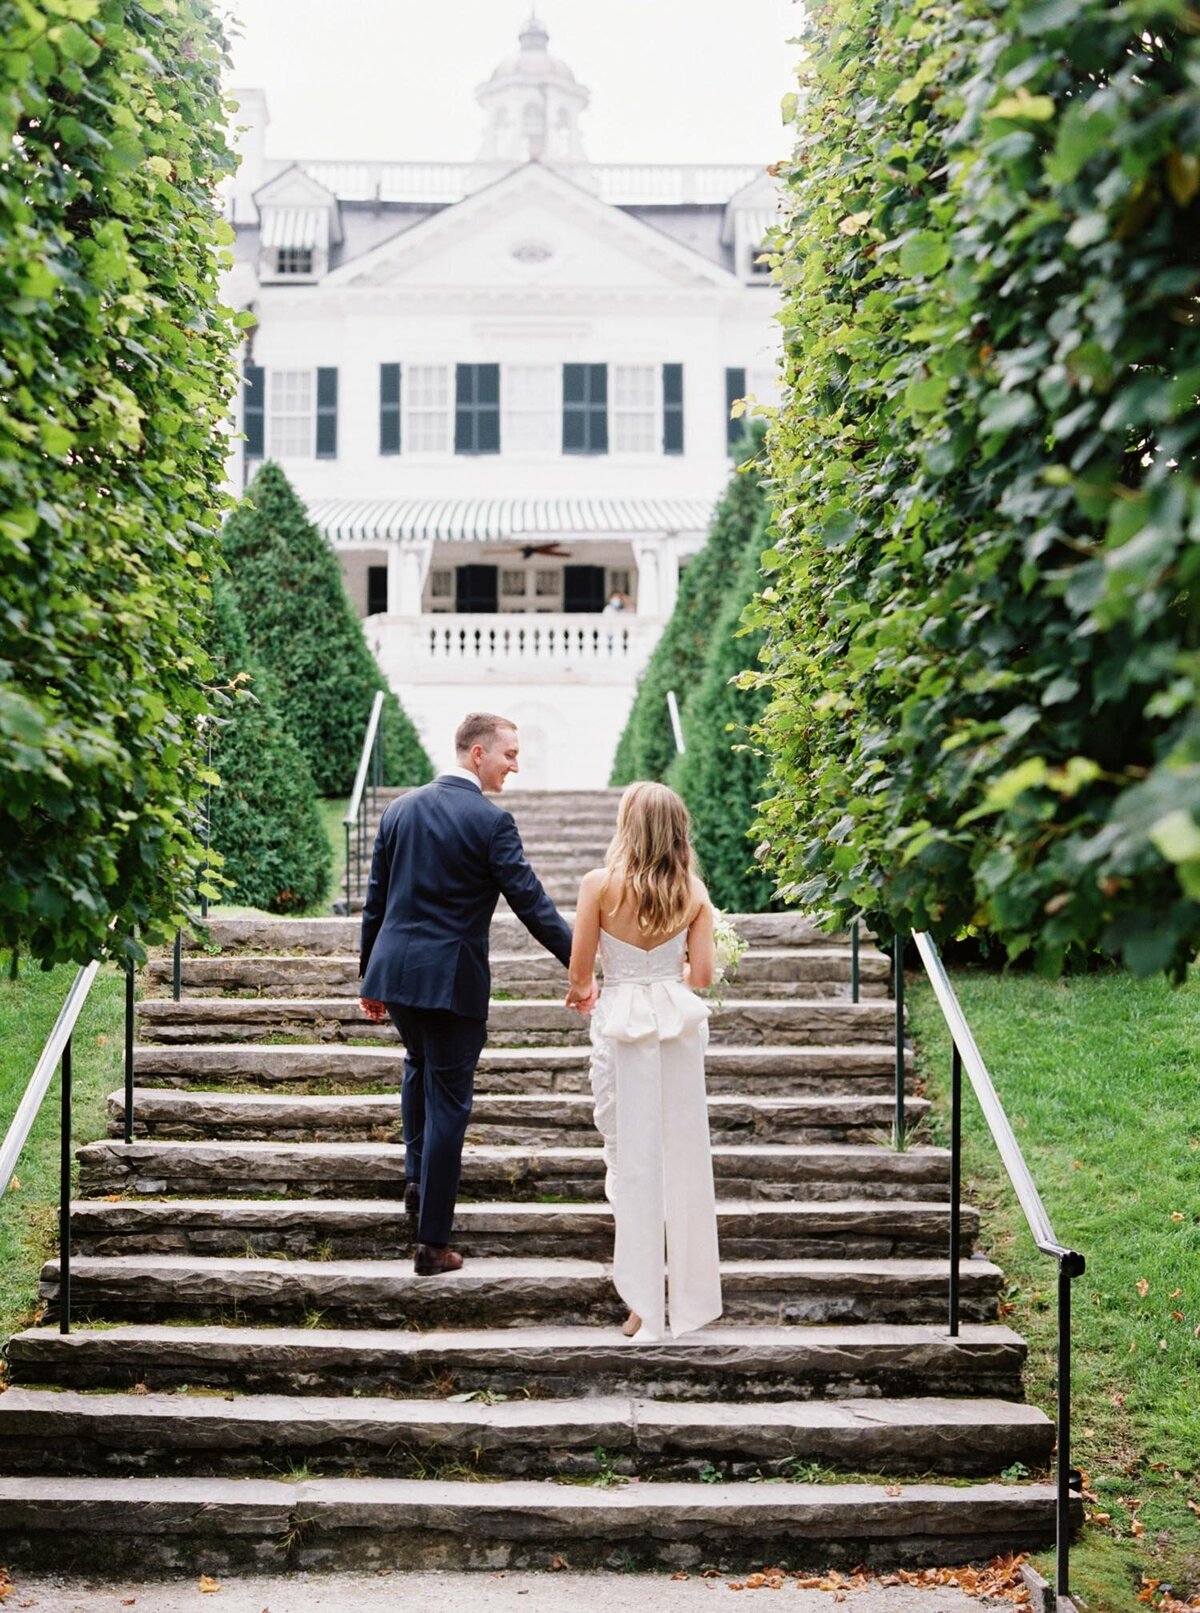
<point x="443" y="856"/>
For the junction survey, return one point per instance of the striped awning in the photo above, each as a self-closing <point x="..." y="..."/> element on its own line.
<point x="476" y="520"/>
<point x="757" y="221"/>
<point x="291" y="227"/>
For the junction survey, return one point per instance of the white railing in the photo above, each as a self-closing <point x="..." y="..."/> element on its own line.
<point x="617" y="642"/>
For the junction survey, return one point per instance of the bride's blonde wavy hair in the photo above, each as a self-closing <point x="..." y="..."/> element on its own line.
<point x="651" y="858"/>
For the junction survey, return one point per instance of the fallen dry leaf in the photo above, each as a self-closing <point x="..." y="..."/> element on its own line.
<point x="682" y="1574"/>
<point x="891" y="1489"/>
<point x="557" y="1564"/>
<point x="128" y="1601"/>
<point x="1143" y="1287"/>
<point x="208" y="1585"/>
<point x="1176" y="1215"/>
<point x="141" y="1389"/>
<point x="1137" y="1530"/>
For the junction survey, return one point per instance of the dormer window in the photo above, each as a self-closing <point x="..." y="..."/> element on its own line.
<point x="294" y="260"/>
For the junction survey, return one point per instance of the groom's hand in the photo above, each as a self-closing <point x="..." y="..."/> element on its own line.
<point x="376" y="1012"/>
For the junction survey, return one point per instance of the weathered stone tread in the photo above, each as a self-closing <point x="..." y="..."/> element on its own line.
<point x="161" y="1522"/>
<point x="754" y="1362"/>
<point x="57" y="1431"/>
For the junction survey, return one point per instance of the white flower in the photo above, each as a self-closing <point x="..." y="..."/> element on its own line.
<point x="728" y="943"/>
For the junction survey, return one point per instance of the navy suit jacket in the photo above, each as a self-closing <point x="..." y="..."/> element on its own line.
<point x="444" y="854"/>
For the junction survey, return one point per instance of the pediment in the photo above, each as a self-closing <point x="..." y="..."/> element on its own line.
<point x="532" y="229"/>
<point x="294" y="188"/>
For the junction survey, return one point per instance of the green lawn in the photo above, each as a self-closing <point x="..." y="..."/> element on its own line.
<point x="29" y="1211"/>
<point x="1099" y="1079"/>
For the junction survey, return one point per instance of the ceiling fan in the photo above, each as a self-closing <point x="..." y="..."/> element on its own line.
<point x="528" y="550"/>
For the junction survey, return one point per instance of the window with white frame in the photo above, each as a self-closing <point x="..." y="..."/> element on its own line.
<point x="291" y="414"/>
<point x="512" y="584"/>
<point x="427" y="409"/>
<point x="441" y="584"/>
<point x="532" y="402"/>
<point x="547" y="583"/>
<point x="635" y="409"/>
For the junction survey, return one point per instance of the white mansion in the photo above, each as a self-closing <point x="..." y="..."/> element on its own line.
<point x="503" y="389"/>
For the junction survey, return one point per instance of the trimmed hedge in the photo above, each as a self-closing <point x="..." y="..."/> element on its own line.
<point x="266" y="824"/>
<point x="647" y="745"/>
<point x="302" y="627"/>
<point x="984" y="621"/>
<point x="722" y="775"/>
<point x="115" y="380"/>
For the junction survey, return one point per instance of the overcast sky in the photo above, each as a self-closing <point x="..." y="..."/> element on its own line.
<point x="671" y="80"/>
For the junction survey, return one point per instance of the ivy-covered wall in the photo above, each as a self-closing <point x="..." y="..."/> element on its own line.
<point x="115" y="376"/>
<point x="983" y="619"/>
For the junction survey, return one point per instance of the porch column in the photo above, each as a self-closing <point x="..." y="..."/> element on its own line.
<point x="650" y="593"/>
<point x="407" y="568"/>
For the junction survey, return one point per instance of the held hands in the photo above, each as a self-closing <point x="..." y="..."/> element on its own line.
<point x="375" y="1012"/>
<point x="583" y="998"/>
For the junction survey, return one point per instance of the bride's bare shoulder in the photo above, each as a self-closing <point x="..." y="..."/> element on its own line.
<point x="700" y="897"/>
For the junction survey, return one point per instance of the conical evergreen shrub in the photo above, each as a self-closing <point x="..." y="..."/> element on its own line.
<point x="647" y="746"/>
<point x="265" y="820"/>
<point x="303" y="629"/>
<point x="720" y="776"/>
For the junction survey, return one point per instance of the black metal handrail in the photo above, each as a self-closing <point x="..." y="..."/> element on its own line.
<point x="57" y="1053"/>
<point x="966" y="1054"/>
<point x="363" y="797"/>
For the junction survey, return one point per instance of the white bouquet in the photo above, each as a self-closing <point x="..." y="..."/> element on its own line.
<point x="729" y="944"/>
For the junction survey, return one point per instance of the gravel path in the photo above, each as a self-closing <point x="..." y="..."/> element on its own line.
<point x="468" y="1593"/>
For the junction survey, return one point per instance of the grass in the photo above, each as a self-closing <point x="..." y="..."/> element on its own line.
<point x="1098" y="1076"/>
<point x="29" y="1007"/>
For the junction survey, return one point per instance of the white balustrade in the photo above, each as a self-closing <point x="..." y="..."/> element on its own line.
<point x="433" y="644"/>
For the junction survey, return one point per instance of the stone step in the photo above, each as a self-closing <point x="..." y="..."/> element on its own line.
<point x="785" y="971"/>
<point x="748" y="1071"/>
<point x="375" y="1170"/>
<point x="501" y="1292"/>
<point x="750" y="1364"/>
<point x="355" y="1229"/>
<point x="523" y="1021"/>
<point x="57" y="1431"/>
<point x="341" y="935"/>
<point x="219" y="1525"/>
<point x="556" y="1120"/>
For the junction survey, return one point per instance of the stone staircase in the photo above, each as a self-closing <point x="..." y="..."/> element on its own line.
<point x="256" y="1378"/>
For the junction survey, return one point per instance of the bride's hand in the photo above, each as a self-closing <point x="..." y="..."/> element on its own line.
<point x="582" y="998"/>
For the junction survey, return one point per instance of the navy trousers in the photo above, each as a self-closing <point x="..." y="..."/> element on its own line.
<point x="441" y="1051"/>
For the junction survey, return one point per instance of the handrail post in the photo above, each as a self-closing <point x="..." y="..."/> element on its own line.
<point x="955" y="1184"/>
<point x="898" y="979"/>
<point x="346" y="827"/>
<point x="1062" y="1503"/>
<point x="854" y="989"/>
<point x="207" y="836"/>
<point x="129" y="1012"/>
<point x="64" y="1196"/>
<point x="177" y="966"/>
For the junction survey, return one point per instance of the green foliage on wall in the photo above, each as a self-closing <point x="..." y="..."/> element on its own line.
<point x="266" y="824"/>
<point x="647" y="746"/>
<point x="722" y="774"/>
<point x="304" y="630"/>
<point x="983" y="621"/>
<point x="115" y="376"/>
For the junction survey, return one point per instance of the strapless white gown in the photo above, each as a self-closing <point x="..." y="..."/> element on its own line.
<point x="649" y="1032"/>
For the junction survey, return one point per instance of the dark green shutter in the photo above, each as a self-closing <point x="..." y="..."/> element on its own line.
<point x="477" y="409"/>
<point x="672" y="385"/>
<point x="585" y="409"/>
<point x="254" y="412"/>
<point x="389" y="408"/>
<point x="327" y="397"/>
<point x="735" y="387"/>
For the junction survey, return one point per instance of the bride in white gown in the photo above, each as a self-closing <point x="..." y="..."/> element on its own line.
<point x="648" y="915"/>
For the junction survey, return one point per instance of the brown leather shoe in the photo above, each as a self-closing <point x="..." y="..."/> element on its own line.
<point x="432" y="1259"/>
<point x="412" y="1201"/>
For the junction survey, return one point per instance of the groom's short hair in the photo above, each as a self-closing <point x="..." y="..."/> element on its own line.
<point x="479" y="728"/>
